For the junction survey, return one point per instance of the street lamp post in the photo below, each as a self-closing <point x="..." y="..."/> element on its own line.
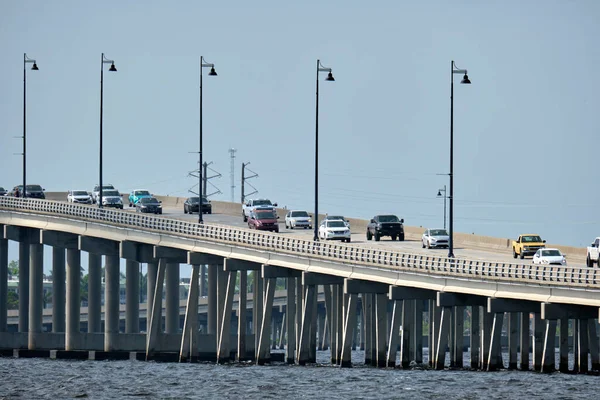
<point x="103" y="60"/>
<point x="211" y="73"/>
<point x="439" y="194"/>
<point x="26" y="60"/>
<point x="320" y="68"/>
<point x="465" y="80"/>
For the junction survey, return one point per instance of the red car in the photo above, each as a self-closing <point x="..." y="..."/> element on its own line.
<point x="264" y="220"/>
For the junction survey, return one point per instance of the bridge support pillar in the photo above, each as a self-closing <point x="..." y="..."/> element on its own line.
<point x="172" y="298"/>
<point x="563" y="346"/>
<point x="435" y="313"/>
<point x="583" y="346"/>
<point x="155" y="323"/>
<point x="408" y="331"/>
<point x="322" y="327"/>
<point x="298" y="321"/>
<point x="524" y="341"/>
<point x="394" y="337"/>
<point x="331" y="311"/>
<point x="593" y="343"/>
<point x="94" y="293"/>
<point x="224" y="341"/>
<point x="36" y="293"/>
<point x="575" y="326"/>
<point x="458" y="319"/>
<point x="442" y="332"/>
<point x="132" y="297"/>
<point x="202" y="288"/>
<point x="242" y="304"/>
<point x="475" y="340"/>
<point x="349" y="328"/>
<point x="487" y="322"/>
<point x="112" y="290"/>
<point x="307" y="308"/>
<point x="291" y="321"/>
<point x="417" y="340"/>
<point x="538" y="342"/>
<point x="3" y="281"/>
<point x="362" y="323"/>
<point x="494" y="357"/>
<point x="513" y="339"/>
<point x="257" y="311"/>
<point x="328" y="316"/>
<point x="549" y="354"/>
<point x="58" y="289"/>
<point x="189" y="342"/>
<point x="381" y="328"/>
<point x="369" y="329"/>
<point x="73" y="303"/>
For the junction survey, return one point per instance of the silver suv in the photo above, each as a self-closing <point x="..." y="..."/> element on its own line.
<point x="96" y="191"/>
<point x="298" y="219"/>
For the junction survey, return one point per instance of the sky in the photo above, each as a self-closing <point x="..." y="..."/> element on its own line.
<point x="526" y="140"/>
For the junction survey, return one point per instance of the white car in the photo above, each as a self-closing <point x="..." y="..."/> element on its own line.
<point x="549" y="256"/>
<point x="79" y="196"/>
<point x="298" y="219"/>
<point x="334" y="230"/>
<point x="111" y="198"/>
<point x="435" y="238"/>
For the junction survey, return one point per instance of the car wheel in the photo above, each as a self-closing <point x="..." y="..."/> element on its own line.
<point x="291" y="226"/>
<point x="377" y="237"/>
<point x="130" y="204"/>
<point x="428" y="244"/>
<point x="348" y="240"/>
<point x="401" y="238"/>
<point x="514" y="253"/>
<point x="210" y="212"/>
<point x="245" y="218"/>
<point x="393" y="237"/>
<point x="369" y="236"/>
<point x="589" y="262"/>
<point x="522" y="255"/>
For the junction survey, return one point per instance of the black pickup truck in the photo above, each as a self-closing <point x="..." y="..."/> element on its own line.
<point x="385" y="225"/>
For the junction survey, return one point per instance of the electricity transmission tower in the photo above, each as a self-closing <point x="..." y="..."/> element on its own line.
<point x="244" y="179"/>
<point x="231" y="170"/>
<point x="205" y="181"/>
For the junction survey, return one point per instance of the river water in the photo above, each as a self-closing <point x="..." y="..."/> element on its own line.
<point x="61" y="379"/>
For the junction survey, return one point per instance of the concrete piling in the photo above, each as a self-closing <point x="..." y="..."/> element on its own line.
<point x="36" y="293"/>
<point x="73" y="304"/>
<point x="58" y="289"/>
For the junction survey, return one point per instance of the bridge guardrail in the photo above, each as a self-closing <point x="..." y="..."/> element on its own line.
<point x="545" y="275"/>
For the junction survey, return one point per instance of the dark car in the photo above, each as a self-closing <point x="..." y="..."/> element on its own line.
<point x="2" y="191"/>
<point x="263" y="220"/>
<point x="385" y="225"/>
<point x="148" y="205"/>
<point x="192" y="204"/>
<point x="33" y="191"/>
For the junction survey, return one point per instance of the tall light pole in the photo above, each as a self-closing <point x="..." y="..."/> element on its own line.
<point x="465" y="80"/>
<point x="26" y="60"/>
<point x="320" y="68"/>
<point x="439" y="194"/>
<point x="211" y="73"/>
<point x="103" y="60"/>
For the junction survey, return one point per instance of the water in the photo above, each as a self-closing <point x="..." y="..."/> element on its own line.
<point x="64" y="379"/>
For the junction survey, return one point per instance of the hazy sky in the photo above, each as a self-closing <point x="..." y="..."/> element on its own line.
<point x="526" y="130"/>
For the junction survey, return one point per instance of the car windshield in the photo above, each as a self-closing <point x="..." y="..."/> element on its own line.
<point x="193" y="200"/>
<point x="438" y="232"/>
<point x="148" y="201"/>
<point x="110" y="193"/>
<point x="262" y="203"/>
<point x="299" y="214"/>
<point x="205" y="200"/>
<point x="34" y="187"/>
<point x="1" y="189"/>
<point x="80" y="193"/>
<point x="531" y="239"/>
<point x="332" y="217"/>
<point x="142" y="193"/>
<point x="551" y="253"/>
<point x="265" y="215"/>
<point x="388" y="218"/>
<point x="336" y="224"/>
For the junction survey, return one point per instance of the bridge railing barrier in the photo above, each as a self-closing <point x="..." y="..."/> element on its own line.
<point x="547" y="275"/>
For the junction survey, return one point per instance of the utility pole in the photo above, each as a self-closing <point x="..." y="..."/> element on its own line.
<point x="244" y="179"/>
<point x="205" y="181"/>
<point x="231" y="171"/>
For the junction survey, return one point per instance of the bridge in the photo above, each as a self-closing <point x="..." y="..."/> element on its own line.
<point x="396" y="291"/>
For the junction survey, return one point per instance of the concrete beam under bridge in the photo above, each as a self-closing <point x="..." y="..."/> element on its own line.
<point x="445" y="299"/>
<point x="21" y="234"/>
<point x="203" y="259"/>
<point x="270" y="271"/>
<point x="134" y="251"/>
<point x="59" y="239"/>
<point x="313" y="278"/>
<point x="232" y="264"/>
<point x="568" y="311"/>
<point x="173" y="255"/>
<point x="98" y="246"/>
<point x="410" y="293"/>
<point x="356" y="286"/>
<point x="495" y="305"/>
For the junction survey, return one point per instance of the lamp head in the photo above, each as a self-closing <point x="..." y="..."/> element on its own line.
<point x="330" y="77"/>
<point x="34" y="67"/>
<point x="112" y="68"/>
<point x="465" y="80"/>
<point x="212" y="72"/>
<point x="439" y="193"/>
